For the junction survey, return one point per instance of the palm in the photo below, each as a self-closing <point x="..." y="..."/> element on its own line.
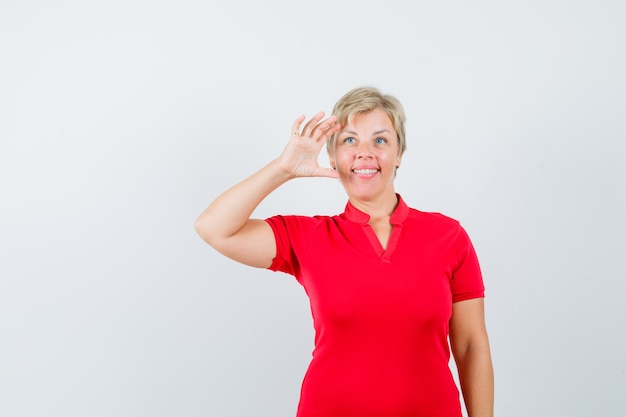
<point x="300" y="157"/>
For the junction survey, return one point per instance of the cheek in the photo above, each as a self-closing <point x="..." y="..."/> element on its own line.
<point x="341" y="159"/>
<point x="387" y="158"/>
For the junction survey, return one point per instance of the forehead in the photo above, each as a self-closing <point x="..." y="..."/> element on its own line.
<point x="373" y="121"/>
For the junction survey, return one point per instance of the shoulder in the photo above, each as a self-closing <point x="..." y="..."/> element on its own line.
<point x="299" y="219"/>
<point x="298" y="223"/>
<point x="436" y="226"/>
<point x="433" y="219"/>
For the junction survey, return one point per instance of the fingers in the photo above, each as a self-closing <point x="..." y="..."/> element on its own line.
<point x="332" y="128"/>
<point x="322" y="129"/>
<point x="316" y="128"/>
<point x="311" y="124"/>
<point x="295" y="128"/>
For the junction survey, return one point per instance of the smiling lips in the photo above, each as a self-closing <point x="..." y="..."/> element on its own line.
<point x="365" y="171"/>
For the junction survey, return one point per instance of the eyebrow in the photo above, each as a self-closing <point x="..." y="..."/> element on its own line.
<point x="378" y="132"/>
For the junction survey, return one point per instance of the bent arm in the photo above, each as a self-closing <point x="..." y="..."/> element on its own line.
<point x="470" y="347"/>
<point x="226" y="224"/>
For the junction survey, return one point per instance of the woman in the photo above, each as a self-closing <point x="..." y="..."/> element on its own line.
<point x="387" y="284"/>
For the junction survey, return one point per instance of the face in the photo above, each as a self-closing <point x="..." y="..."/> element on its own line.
<point x="366" y="156"/>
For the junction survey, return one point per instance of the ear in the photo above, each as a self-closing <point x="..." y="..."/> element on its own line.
<point x="331" y="161"/>
<point x="398" y="161"/>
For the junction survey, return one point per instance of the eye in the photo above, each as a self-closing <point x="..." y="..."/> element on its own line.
<point x="380" y="141"/>
<point x="349" y="140"/>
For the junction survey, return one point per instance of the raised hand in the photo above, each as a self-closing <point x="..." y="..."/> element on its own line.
<point x="299" y="158"/>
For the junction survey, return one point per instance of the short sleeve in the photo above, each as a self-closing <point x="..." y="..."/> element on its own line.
<point x="293" y="235"/>
<point x="285" y="261"/>
<point x="467" y="280"/>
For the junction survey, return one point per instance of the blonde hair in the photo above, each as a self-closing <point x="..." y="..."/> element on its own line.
<point x="364" y="100"/>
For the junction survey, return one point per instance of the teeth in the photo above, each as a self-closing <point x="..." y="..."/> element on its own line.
<point x="365" y="171"/>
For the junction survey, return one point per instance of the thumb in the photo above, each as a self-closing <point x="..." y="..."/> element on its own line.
<point x="326" y="172"/>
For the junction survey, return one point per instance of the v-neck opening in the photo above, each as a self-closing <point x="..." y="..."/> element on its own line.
<point x="383" y="253"/>
<point x="398" y="216"/>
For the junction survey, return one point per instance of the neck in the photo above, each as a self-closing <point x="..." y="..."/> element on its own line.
<point x="380" y="208"/>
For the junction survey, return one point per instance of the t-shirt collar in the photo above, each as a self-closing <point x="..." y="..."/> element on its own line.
<point x="397" y="217"/>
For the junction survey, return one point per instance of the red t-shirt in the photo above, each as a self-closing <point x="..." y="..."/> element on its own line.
<point x="381" y="317"/>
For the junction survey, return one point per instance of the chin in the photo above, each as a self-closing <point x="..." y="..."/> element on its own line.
<point x="363" y="195"/>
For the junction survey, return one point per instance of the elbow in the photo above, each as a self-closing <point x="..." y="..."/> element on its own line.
<point x="475" y="346"/>
<point x="203" y="229"/>
<point x="197" y="225"/>
<point x="472" y="357"/>
<point x="210" y="231"/>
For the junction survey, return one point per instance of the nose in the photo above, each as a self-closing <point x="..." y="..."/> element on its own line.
<point x="364" y="151"/>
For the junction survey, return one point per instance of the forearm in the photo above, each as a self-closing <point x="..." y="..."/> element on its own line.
<point x="477" y="382"/>
<point x="226" y="223"/>
<point x="232" y="209"/>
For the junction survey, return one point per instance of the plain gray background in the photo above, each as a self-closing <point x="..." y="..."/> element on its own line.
<point x="121" y="120"/>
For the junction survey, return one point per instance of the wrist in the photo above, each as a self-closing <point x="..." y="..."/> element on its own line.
<point x="279" y="172"/>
